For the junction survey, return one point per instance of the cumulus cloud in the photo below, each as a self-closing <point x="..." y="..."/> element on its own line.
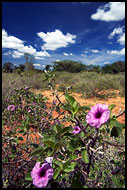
<point x="83" y="55"/>
<point x="116" y="52"/>
<point x="113" y="11"/>
<point x="121" y="39"/>
<point x="17" y="54"/>
<point x="120" y="33"/>
<point x="107" y="62"/>
<point x="42" y="53"/>
<point x="57" y="60"/>
<point x="19" y="48"/>
<point x="68" y="54"/>
<point x="95" y="51"/>
<point x="118" y="30"/>
<point x="10" y="41"/>
<point x="56" y="39"/>
<point x="38" y="65"/>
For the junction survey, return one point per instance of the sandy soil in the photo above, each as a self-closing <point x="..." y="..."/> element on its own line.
<point x="118" y="101"/>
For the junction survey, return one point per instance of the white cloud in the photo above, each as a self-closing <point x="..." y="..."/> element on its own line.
<point x="120" y="35"/>
<point x="57" y="60"/>
<point x="113" y="11"/>
<point x="107" y="62"/>
<point x="42" y="53"/>
<point x="116" y="52"/>
<point x="38" y="65"/>
<point x="7" y="53"/>
<point x="57" y="39"/>
<point x="83" y="55"/>
<point x="95" y="51"/>
<point x="19" y="47"/>
<point x="86" y="51"/>
<point x="118" y="30"/>
<point x="27" y="49"/>
<point x="17" y="54"/>
<point x="121" y="39"/>
<point x="68" y="54"/>
<point x="38" y="57"/>
<point x="10" y="41"/>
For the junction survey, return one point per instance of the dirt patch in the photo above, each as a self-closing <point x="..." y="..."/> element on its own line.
<point x="118" y="101"/>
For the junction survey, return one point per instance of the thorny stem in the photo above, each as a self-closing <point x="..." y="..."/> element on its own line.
<point x="112" y="144"/>
<point x="120" y="114"/>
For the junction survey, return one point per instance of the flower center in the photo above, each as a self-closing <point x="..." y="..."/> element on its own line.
<point x="76" y="128"/>
<point x="42" y="173"/>
<point x="98" y="114"/>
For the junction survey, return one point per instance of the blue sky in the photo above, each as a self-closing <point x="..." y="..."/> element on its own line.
<point x="89" y="32"/>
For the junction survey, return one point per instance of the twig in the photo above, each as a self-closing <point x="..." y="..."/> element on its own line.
<point x="120" y="114"/>
<point x="112" y="144"/>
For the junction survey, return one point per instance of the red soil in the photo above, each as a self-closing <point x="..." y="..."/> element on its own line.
<point x="118" y="101"/>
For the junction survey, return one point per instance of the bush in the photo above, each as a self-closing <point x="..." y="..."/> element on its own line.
<point x="80" y="154"/>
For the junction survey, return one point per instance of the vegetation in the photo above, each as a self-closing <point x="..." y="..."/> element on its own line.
<point x="91" y="158"/>
<point x="67" y="65"/>
<point x="84" y="153"/>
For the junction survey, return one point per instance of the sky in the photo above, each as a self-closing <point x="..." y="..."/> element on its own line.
<point x="92" y="33"/>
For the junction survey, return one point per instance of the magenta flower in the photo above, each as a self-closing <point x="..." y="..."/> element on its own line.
<point x="41" y="175"/>
<point x="76" y="129"/>
<point x="26" y="88"/>
<point x="11" y="106"/>
<point x="29" y="110"/>
<point x="98" y="115"/>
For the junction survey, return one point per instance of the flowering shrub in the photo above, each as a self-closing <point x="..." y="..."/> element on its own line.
<point x="73" y="155"/>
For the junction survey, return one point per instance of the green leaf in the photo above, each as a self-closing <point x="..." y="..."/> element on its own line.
<point x="47" y="150"/>
<point x="58" y="145"/>
<point x="117" y="129"/>
<point x="76" y="182"/>
<point x="63" y="131"/>
<point x="70" y="99"/>
<point x="28" y="177"/>
<point x="68" y="167"/>
<point x="115" y="181"/>
<point x="37" y="151"/>
<point x="112" y="122"/>
<point x="59" y="163"/>
<point x="50" y="143"/>
<point x="56" y="173"/>
<point x="111" y="106"/>
<point x="85" y="156"/>
<point x="58" y="127"/>
<point x="73" y="156"/>
<point x="73" y="145"/>
<point x="34" y="145"/>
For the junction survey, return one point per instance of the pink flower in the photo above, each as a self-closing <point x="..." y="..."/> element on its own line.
<point x="26" y="88"/>
<point x="41" y="175"/>
<point x="76" y="129"/>
<point x="13" y="107"/>
<point x="98" y="115"/>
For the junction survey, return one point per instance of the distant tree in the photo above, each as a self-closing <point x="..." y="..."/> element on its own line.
<point x="47" y="67"/>
<point x="94" y="68"/>
<point x="29" y="61"/>
<point x="69" y="66"/>
<point x="8" y="67"/>
<point x="22" y="67"/>
<point x="114" y="68"/>
<point x="118" y="66"/>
